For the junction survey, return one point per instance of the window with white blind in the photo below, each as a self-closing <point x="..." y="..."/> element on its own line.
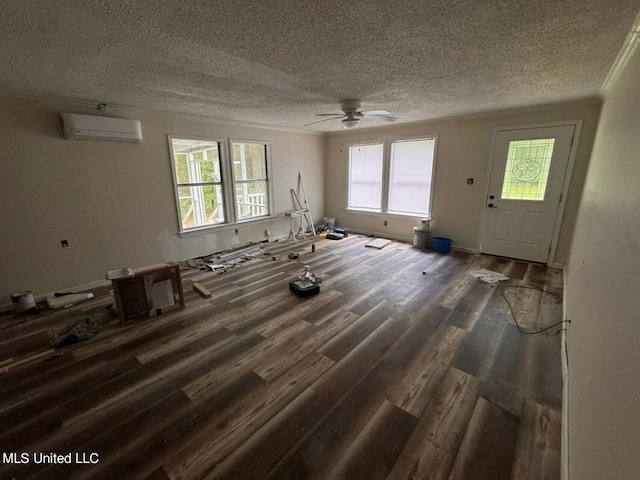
<point x="410" y="176"/>
<point x="392" y="177"/>
<point x="365" y="177"/>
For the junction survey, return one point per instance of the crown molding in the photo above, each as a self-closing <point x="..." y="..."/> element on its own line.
<point x="625" y="53"/>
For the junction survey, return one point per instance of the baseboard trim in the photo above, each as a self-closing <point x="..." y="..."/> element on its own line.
<point x="78" y="288"/>
<point x="564" y="439"/>
<point x="380" y="234"/>
<point x="464" y="249"/>
<point x="406" y="239"/>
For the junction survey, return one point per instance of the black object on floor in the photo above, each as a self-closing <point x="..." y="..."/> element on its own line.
<point x="304" y="288"/>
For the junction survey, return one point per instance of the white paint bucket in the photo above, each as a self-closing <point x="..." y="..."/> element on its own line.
<point x="23" y="301"/>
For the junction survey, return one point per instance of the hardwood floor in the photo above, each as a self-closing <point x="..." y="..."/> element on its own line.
<point x="388" y="373"/>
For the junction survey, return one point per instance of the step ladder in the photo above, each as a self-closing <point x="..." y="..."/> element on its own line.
<point x="301" y="212"/>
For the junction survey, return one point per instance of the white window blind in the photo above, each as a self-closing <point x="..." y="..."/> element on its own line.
<point x="365" y="177"/>
<point x="411" y="170"/>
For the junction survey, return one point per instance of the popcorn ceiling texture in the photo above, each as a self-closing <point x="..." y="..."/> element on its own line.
<point x="279" y="62"/>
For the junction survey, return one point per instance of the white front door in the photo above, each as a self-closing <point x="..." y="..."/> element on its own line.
<point x="527" y="176"/>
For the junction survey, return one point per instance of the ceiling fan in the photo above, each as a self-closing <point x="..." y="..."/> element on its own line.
<point x="352" y="114"/>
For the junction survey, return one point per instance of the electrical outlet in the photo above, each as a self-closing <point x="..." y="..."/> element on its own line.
<point x="236" y="231"/>
<point x="64" y="243"/>
<point x="267" y="233"/>
<point x="385" y="223"/>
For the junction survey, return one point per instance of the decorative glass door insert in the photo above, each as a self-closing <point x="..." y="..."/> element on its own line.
<point x="527" y="170"/>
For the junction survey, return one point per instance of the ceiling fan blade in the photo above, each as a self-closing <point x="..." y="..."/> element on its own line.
<point x="367" y="113"/>
<point x="328" y="114"/>
<point x="385" y="118"/>
<point x="324" y="120"/>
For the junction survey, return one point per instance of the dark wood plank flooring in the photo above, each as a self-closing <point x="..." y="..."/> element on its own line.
<point x="388" y="373"/>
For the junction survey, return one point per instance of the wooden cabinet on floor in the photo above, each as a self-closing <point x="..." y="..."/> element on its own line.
<point x="148" y="292"/>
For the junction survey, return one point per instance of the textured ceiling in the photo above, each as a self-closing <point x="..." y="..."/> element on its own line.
<point x="279" y="62"/>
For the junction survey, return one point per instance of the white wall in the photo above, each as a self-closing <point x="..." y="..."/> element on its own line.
<point x="603" y="297"/>
<point x="114" y="202"/>
<point x="463" y="150"/>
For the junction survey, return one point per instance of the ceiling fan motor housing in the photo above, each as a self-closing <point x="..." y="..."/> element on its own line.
<point x="350" y="105"/>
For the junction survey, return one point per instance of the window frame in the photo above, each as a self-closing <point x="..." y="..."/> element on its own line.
<point x="386" y="175"/>
<point x="227" y="183"/>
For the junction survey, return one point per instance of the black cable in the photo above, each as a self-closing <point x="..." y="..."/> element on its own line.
<point x="514" y="315"/>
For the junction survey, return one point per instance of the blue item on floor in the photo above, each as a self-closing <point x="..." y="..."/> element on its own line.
<point x="441" y="244"/>
<point x="343" y="231"/>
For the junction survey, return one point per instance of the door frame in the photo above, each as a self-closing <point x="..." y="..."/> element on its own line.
<point x="565" y="185"/>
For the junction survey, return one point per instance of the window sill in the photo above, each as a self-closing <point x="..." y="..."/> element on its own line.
<point x="223" y="227"/>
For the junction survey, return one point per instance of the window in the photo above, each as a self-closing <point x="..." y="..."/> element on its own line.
<point x="250" y="177"/>
<point x="207" y="173"/>
<point x="198" y="178"/>
<point x="410" y="176"/>
<point x="365" y="177"/>
<point x="395" y="180"/>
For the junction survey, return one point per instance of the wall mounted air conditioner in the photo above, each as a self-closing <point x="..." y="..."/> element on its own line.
<point x="92" y="127"/>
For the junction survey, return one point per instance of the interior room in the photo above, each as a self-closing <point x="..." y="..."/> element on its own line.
<point x="213" y="138"/>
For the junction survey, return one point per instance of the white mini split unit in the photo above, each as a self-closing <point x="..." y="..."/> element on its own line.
<point x="92" y="127"/>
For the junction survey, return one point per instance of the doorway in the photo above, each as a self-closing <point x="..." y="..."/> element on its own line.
<point x="528" y="173"/>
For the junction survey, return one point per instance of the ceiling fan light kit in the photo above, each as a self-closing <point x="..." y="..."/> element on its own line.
<point x="352" y="118"/>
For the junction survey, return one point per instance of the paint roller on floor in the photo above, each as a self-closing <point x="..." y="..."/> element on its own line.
<point x="59" y="300"/>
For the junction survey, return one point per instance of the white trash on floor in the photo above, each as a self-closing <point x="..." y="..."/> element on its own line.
<point x="488" y="276"/>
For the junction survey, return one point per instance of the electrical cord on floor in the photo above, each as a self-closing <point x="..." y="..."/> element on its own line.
<point x="524" y="332"/>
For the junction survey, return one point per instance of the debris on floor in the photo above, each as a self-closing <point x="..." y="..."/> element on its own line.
<point x="293" y="255"/>
<point x="223" y="261"/>
<point x="321" y="228"/>
<point x="329" y="222"/>
<point x="82" y="329"/>
<point x="488" y="276"/>
<point x="10" y="363"/>
<point x="378" y="243"/>
<point x="307" y="283"/>
<point x="215" y="266"/>
<point x="201" y="290"/>
<point x="58" y="300"/>
<point x="335" y="236"/>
